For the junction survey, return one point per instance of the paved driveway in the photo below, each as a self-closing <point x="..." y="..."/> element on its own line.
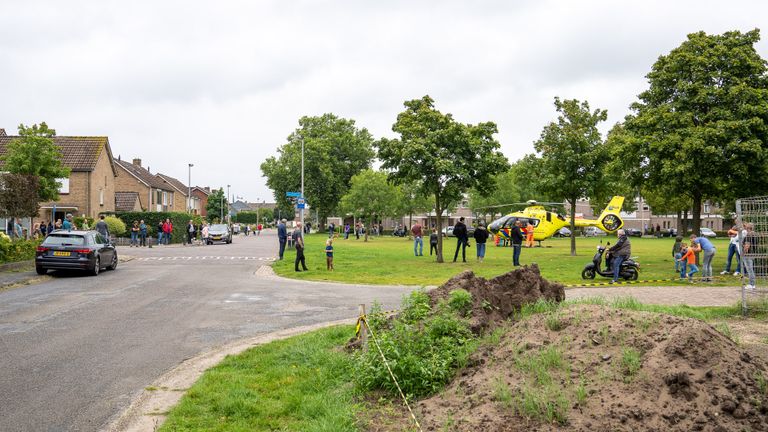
<point x="75" y="350"/>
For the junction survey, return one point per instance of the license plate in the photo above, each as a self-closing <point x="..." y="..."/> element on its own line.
<point x="61" y="253"/>
<point x="217" y="237"/>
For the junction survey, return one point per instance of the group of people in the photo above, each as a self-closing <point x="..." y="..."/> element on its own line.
<point x="298" y="241"/>
<point x="42" y="229"/>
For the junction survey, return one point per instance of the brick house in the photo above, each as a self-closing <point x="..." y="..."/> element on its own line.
<point x="90" y="188"/>
<point x="180" y="191"/>
<point x="152" y="193"/>
<point x="199" y="200"/>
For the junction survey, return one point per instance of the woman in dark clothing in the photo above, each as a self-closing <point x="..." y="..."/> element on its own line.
<point x="481" y="235"/>
<point x="433" y="242"/>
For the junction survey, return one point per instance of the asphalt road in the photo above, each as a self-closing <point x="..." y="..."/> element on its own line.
<point x="75" y="350"/>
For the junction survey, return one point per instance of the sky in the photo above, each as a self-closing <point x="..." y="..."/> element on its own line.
<point x="222" y="84"/>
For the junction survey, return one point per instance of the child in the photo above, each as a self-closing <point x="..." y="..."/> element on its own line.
<point x="329" y="254"/>
<point x="433" y="242"/>
<point x="690" y="259"/>
<point x="677" y="254"/>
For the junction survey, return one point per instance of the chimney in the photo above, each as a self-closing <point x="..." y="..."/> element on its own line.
<point x="137" y="162"/>
<point x="2" y="132"/>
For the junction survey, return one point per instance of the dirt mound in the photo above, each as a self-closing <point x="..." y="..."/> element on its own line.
<point x="497" y="299"/>
<point x="595" y="368"/>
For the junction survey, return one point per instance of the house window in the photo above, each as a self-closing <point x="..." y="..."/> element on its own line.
<point x="64" y="185"/>
<point x="706" y="207"/>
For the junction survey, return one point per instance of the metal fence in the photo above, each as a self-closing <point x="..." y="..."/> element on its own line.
<point x="752" y="222"/>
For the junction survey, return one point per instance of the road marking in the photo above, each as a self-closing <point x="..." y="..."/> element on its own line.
<point x="231" y="258"/>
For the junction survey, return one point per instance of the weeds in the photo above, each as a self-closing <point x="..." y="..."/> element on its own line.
<point x="548" y="404"/>
<point x="630" y="362"/>
<point x="762" y="385"/>
<point x="553" y="321"/>
<point x="725" y="329"/>
<point x="581" y="392"/>
<point x="501" y="393"/>
<point x="460" y="301"/>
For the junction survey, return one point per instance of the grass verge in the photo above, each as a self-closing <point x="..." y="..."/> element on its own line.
<point x="391" y="261"/>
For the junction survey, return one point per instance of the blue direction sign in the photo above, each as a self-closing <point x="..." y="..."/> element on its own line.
<point x="293" y="194"/>
<point x="300" y="203"/>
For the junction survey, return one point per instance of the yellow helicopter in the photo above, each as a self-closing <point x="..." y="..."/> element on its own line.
<point x="547" y="223"/>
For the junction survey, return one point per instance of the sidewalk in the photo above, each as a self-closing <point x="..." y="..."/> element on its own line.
<point x="692" y="295"/>
<point x="17" y="273"/>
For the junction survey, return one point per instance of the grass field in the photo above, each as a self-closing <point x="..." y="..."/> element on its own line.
<point x="390" y="260"/>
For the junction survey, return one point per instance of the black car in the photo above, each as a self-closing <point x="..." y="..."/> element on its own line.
<point x="633" y="232"/>
<point x="75" y="250"/>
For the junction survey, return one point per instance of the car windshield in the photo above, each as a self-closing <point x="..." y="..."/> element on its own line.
<point x="219" y="227"/>
<point x="64" y="240"/>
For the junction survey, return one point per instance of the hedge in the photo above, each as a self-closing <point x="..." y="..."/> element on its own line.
<point x="17" y="250"/>
<point x="178" y="219"/>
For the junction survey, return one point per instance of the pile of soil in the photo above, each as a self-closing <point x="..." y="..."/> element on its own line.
<point x="497" y="299"/>
<point x="689" y="376"/>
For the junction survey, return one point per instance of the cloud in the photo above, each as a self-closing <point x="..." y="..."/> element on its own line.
<point x="221" y="85"/>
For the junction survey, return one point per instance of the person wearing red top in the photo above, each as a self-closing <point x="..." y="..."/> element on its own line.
<point x="418" y="242"/>
<point x="167" y="230"/>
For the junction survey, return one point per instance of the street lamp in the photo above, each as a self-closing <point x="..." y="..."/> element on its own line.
<point x="228" y="212"/>
<point x="221" y="207"/>
<point x="302" y="185"/>
<point x="189" y="189"/>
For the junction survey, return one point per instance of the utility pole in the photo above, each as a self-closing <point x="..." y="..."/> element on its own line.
<point x="189" y="189"/>
<point x="228" y="217"/>
<point x="302" y="186"/>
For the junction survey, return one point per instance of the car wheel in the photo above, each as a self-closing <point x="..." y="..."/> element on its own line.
<point x="41" y="270"/>
<point x="96" y="267"/>
<point x="588" y="273"/>
<point x="113" y="265"/>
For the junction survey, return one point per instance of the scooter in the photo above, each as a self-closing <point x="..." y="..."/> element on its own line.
<point x="630" y="269"/>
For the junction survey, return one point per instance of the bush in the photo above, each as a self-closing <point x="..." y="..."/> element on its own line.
<point x="81" y="220"/>
<point x="115" y="225"/>
<point x="460" y="301"/>
<point x="423" y="349"/>
<point x="19" y="250"/>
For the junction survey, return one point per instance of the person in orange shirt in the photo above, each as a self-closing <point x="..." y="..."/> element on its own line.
<point x="688" y="258"/>
<point x="529" y="235"/>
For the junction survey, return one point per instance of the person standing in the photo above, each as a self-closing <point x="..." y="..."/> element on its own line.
<point x="142" y="233"/>
<point x="167" y="230"/>
<point x="18" y="229"/>
<point x="298" y="240"/>
<point x="160" y="233"/>
<point x="699" y="244"/>
<point x="750" y="249"/>
<point x="688" y="259"/>
<point x="282" y="237"/>
<point x="677" y="253"/>
<point x="50" y="227"/>
<point x="733" y="249"/>
<point x="433" y="242"/>
<point x="516" y="237"/>
<point x="135" y="234"/>
<point x="481" y="236"/>
<point x="190" y="232"/>
<point x="102" y="227"/>
<point x="418" y="242"/>
<point x="329" y="254"/>
<point x="346" y="231"/>
<point x="529" y="228"/>
<point x="43" y="229"/>
<point x="331" y="229"/>
<point x="462" y="239"/>
<point x="204" y="233"/>
<point x="620" y="252"/>
<point x="67" y="224"/>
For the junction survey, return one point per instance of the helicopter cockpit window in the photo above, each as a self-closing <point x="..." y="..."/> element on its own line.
<point x="509" y="223"/>
<point x="534" y="222"/>
<point x="499" y="223"/>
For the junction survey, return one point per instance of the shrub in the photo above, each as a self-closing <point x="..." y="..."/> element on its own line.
<point x="18" y="250"/>
<point x="424" y="349"/>
<point x="115" y="225"/>
<point x="460" y="301"/>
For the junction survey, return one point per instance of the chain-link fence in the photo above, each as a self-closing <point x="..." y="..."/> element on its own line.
<point x="752" y="223"/>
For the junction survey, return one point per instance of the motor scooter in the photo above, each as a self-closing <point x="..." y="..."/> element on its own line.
<point x="630" y="269"/>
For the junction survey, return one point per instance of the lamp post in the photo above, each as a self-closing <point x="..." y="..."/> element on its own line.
<point x="189" y="189"/>
<point x="221" y="207"/>
<point x="302" y="185"/>
<point x="228" y="217"/>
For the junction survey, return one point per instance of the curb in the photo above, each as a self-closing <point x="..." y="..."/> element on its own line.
<point x="16" y="265"/>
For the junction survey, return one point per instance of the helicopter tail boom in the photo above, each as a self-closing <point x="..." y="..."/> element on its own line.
<point x="609" y="220"/>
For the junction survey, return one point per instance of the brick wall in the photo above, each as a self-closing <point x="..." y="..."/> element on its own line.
<point x="126" y="182"/>
<point x="102" y="197"/>
<point x="78" y="192"/>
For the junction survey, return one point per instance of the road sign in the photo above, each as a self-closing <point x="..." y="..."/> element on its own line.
<point x="293" y="194"/>
<point x="300" y="203"/>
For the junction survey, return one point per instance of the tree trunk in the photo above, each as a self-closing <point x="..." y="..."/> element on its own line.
<point x="680" y="231"/>
<point x="573" y="227"/>
<point x="696" y="213"/>
<point x="439" y="214"/>
<point x="368" y="229"/>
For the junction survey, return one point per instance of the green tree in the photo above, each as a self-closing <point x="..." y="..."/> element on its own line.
<point x="334" y="151"/>
<point x="370" y="196"/>
<point x="34" y="153"/>
<point x="413" y="200"/>
<point x="702" y="125"/>
<point x="217" y="205"/>
<point x="18" y="195"/>
<point x="571" y="162"/>
<point x="445" y="156"/>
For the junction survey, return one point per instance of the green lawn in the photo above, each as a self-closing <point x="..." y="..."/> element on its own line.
<point x="390" y="260"/>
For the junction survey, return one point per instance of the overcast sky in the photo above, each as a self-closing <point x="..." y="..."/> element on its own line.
<point x="222" y="84"/>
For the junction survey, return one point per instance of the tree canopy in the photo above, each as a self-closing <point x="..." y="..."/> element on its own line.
<point x="701" y="127"/>
<point x="18" y="195"/>
<point x="217" y="205"/>
<point x="571" y="157"/>
<point x="334" y="151"/>
<point x="34" y="153"/>
<point x="371" y="195"/>
<point x="445" y="156"/>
